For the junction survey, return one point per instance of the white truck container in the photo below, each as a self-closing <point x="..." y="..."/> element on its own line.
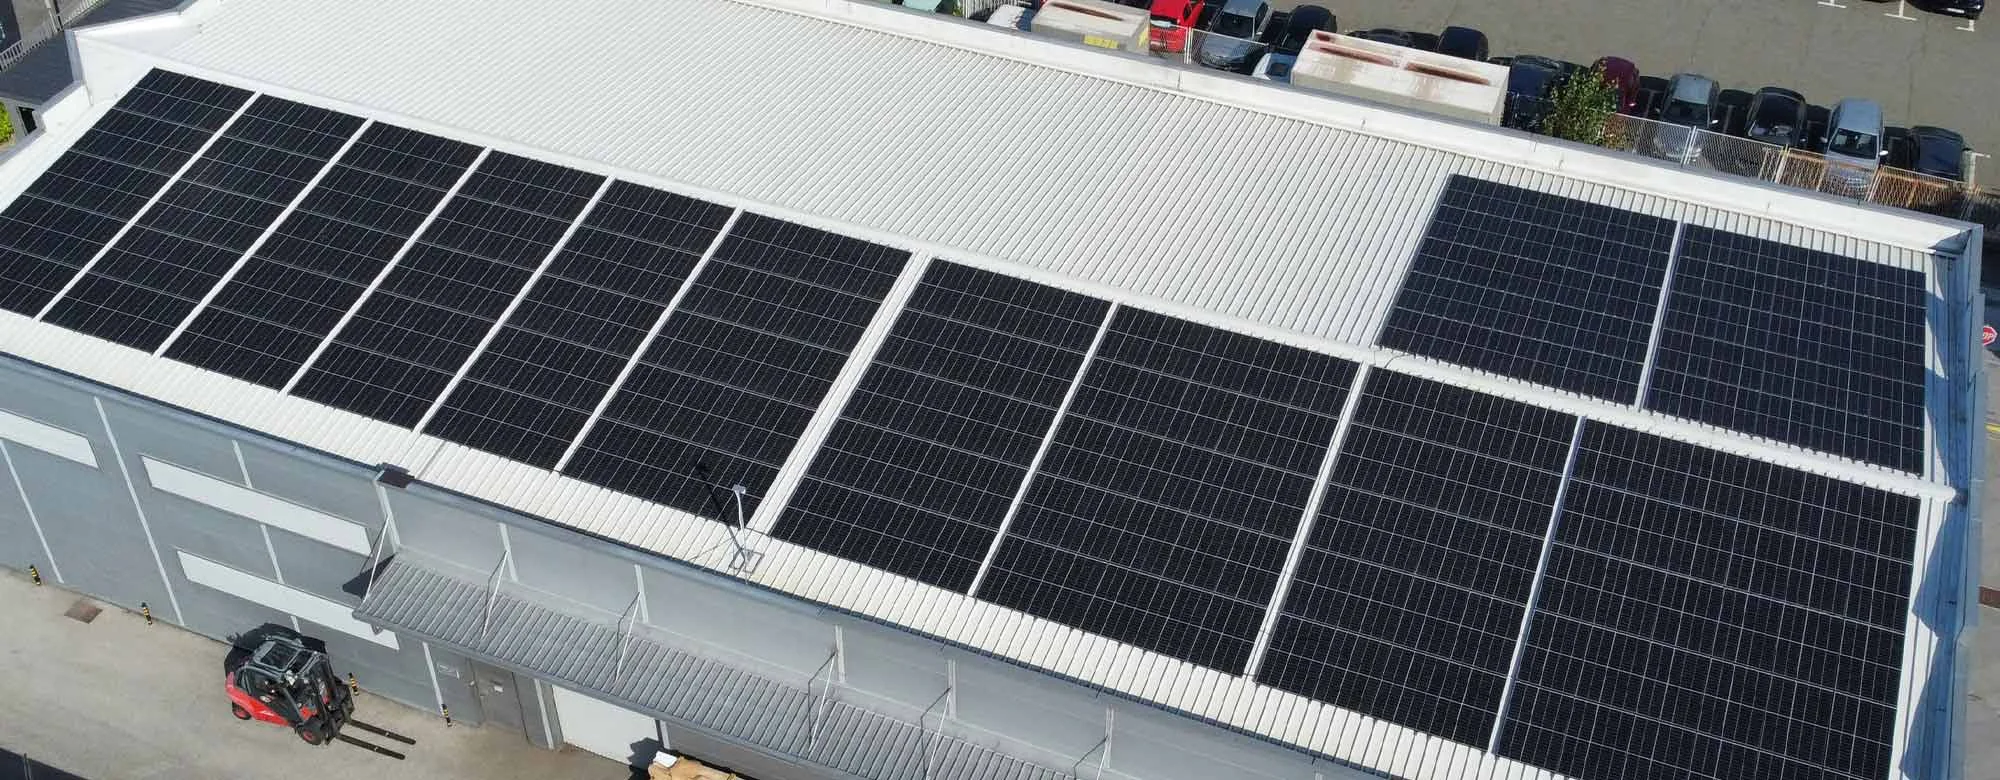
<point x="1397" y="75"/>
<point x="1095" y="22"/>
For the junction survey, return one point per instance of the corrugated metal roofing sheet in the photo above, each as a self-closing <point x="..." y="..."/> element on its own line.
<point x="535" y="633"/>
<point x="1301" y="225"/>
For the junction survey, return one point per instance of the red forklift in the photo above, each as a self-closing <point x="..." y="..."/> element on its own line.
<point x="275" y="675"/>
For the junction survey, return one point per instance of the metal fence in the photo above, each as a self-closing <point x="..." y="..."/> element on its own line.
<point x="42" y="33"/>
<point x="1709" y="150"/>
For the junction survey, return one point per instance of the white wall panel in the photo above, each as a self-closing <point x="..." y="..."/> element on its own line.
<point x="258" y="590"/>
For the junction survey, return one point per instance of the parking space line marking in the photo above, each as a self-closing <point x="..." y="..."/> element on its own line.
<point x="1901" y="11"/>
<point x="1832" y="4"/>
<point x="1969" y="26"/>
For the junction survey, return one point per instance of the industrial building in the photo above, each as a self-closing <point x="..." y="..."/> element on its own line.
<point x="828" y="390"/>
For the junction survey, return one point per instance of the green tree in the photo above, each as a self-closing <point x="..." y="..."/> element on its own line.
<point x="1580" y="109"/>
<point x="6" y="129"/>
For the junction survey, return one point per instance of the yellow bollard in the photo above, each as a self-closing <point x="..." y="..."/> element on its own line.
<point x="446" y="709"/>
<point x="352" y="686"/>
<point x="35" y="574"/>
<point x="146" y="612"/>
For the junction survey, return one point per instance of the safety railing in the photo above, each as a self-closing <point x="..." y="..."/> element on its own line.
<point x="30" y="39"/>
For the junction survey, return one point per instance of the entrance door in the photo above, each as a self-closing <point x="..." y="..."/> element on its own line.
<point x="497" y="697"/>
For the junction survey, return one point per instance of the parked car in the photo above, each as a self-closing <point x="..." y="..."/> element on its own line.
<point x="1505" y="62"/>
<point x="1422" y="40"/>
<point x="1383" y="35"/>
<point x="933" y="6"/>
<point x="1933" y="151"/>
<point x="1462" y="42"/>
<point x="1529" y="79"/>
<point x="1624" y="76"/>
<point x="1234" y="35"/>
<point x="1854" y="142"/>
<point x="1690" y="104"/>
<point x="1777" y="116"/>
<point x="1305" y="20"/>
<point x="1172" y="19"/>
<point x="1968" y="9"/>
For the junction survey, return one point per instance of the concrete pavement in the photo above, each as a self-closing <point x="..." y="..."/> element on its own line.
<point x="1922" y="69"/>
<point x="117" y="699"/>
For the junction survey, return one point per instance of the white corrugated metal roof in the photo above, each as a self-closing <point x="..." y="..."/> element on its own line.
<point x="1286" y="216"/>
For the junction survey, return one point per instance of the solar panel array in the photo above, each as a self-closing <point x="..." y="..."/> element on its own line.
<point x="268" y="319"/>
<point x="1162" y="514"/>
<point x="935" y="444"/>
<point x="1410" y="591"/>
<point x="724" y="392"/>
<point x="401" y="348"/>
<point x="1803" y="346"/>
<point x="151" y="278"/>
<point x="1534" y="286"/>
<point x="54" y="228"/>
<point x="1709" y="615"/>
<point x="1586" y="598"/>
<point x="536" y="385"/>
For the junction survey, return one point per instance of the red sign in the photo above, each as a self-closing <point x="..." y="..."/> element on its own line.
<point x="1986" y="335"/>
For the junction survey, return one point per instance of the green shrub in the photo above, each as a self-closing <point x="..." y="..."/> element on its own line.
<point x="1581" y="107"/>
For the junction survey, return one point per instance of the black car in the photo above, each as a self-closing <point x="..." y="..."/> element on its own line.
<point x="1423" y="40"/>
<point x="1968" y="9"/>
<point x="1462" y="42"/>
<point x="1305" y="20"/>
<point x="1777" y="116"/>
<point x="1529" y="80"/>
<point x="1932" y="151"/>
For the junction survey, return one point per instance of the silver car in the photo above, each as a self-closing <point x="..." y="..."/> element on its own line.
<point x="1688" y="111"/>
<point x="1233" y="40"/>
<point x="1854" y="146"/>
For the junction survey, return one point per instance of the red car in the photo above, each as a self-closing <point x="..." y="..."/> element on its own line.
<point x="1172" y="19"/>
<point x="1624" y="75"/>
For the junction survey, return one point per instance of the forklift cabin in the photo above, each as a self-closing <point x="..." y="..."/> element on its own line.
<point x="275" y="677"/>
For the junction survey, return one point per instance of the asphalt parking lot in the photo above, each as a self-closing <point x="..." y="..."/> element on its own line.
<point x="1923" y="68"/>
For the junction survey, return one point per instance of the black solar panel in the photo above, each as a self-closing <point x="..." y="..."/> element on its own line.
<point x="393" y="359"/>
<point x="65" y="217"/>
<point x="1707" y="615"/>
<point x="267" y="319"/>
<point x="930" y="452"/>
<point x="1163" y="511"/>
<point x="153" y="276"/>
<point x="557" y="356"/>
<point x="1534" y="286"/>
<point x="725" y="390"/>
<point x="1806" y="347"/>
<point x="1408" y="597"/>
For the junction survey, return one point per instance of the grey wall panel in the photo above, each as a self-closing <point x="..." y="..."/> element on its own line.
<point x="307" y="479"/>
<point x="55" y="403"/>
<point x="1056" y="717"/>
<point x="445" y="530"/>
<point x="19" y="546"/>
<point x="92" y="530"/>
<point x="572" y="571"/>
<point x="316" y="568"/>
<point x="795" y="642"/>
<point x="145" y="431"/>
<point x="895" y="666"/>
<point x="219" y="615"/>
<point x="1150" y="744"/>
<point x="180" y="524"/>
